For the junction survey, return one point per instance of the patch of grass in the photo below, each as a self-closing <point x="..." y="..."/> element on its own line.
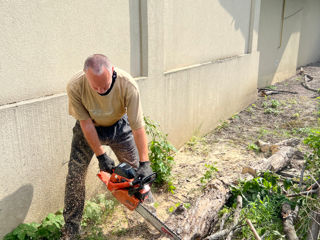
<point x="262" y="202"/>
<point x="198" y="145"/>
<point x="263" y="132"/>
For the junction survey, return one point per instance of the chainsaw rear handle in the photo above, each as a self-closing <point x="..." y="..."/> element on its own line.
<point x="144" y="180"/>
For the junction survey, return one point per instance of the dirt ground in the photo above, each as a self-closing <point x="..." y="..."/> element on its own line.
<point x="228" y="149"/>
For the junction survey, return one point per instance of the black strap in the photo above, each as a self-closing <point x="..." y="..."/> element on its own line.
<point x="114" y="77"/>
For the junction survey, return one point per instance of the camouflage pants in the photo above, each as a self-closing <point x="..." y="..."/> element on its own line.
<point x="120" y="139"/>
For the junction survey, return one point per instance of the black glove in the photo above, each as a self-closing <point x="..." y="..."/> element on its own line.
<point x="106" y="164"/>
<point x="144" y="169"/>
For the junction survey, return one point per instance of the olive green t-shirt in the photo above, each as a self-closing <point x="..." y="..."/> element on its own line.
<point x="123" y="98"/>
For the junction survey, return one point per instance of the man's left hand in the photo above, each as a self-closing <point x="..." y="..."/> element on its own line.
<point x="144" y="169"/>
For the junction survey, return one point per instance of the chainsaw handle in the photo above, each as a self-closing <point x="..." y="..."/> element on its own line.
<point x="144" y="180"/>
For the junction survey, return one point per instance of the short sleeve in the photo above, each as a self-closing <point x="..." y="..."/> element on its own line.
<point x="76" y="108"/>
<point x="134" y="108"/>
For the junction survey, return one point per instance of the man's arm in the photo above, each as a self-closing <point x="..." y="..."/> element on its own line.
<point x="140" y="138"/>
<point x="91" y="136"/>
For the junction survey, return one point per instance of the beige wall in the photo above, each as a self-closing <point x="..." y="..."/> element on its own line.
<point x="196" y="33"/>
<point x="289" y="40"/>
<point x="187" y="88"/>
<point x="42" y="42"/>
<point x="309" y="49"/>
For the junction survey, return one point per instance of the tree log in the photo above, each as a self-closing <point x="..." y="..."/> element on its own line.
<point x="275" y="163"/>
<point x="198" y="221"/>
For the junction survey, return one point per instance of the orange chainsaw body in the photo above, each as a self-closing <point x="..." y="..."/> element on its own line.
<point x="119" y="187"/>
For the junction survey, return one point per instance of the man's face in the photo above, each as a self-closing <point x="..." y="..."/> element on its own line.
<point x="99" y="83"/>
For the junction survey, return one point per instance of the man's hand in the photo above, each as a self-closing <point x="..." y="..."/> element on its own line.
<point x="144" y="169"/>
<point x="106" y="164"/>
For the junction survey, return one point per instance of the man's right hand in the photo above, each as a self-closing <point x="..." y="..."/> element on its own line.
<point x="106" y="164"/>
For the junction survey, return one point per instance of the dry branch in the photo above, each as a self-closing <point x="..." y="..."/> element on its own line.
<point x="314" y="226"/>
<point x="303" y="193"/>
<point x="288" y="221"/>
<point x="306" y="78"/>
<point x="256" y="235"/>
<point x="223" y="219"/>
<point x="234" y="225"/>
<point x="266" y="92"/>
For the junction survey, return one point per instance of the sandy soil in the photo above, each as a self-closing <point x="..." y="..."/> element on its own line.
<point x="227" y="149"/>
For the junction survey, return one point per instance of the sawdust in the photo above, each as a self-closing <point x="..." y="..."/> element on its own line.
<point x="227" y="148"/>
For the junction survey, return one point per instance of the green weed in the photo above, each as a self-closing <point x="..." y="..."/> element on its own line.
<point x="160" y="154"/>
<point x="253" y="147"/>
<point x="209" y="174"/>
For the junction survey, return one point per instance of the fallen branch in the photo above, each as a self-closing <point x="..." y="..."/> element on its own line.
<point x="266" y="92"/>
<point x="256" y="235"/>
<point x="234" y="224"/>
<point x="303" y="193"/>
<point x="314" y="225"/>
<point x="275" y="163"/>
<point x="289" y="217"/>
<point x="223" y="220"/>
<point x="301" y="175"/>
<point x="306" y="86"/>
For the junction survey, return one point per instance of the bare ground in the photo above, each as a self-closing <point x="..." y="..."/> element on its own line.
<point x="228" y="149"/>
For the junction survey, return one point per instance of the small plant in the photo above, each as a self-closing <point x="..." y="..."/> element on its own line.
<point x="262" y="133"/>
<point x="173" y="208"/>
<point x="271" y="111"/>
<point x="198" y="145"/>
<point x="254" y="147"/>
<point x="296" y="115"/>
<point x="208" y="175"/>
<point x="48" y="229"/>
<point x="223" y="125"/>
<point x="275" y="103"/>
<point x="187" y="205"/>
<point x="160" y="154"/>
<point x="236" y="116"/>
<point x="271" y="107"/>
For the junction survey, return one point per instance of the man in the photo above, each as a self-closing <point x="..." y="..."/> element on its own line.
<point x="106" y="104"/>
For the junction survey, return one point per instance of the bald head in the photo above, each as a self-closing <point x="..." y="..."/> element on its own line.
<point x="97" y="63"/>
<point x="98" y="71"/>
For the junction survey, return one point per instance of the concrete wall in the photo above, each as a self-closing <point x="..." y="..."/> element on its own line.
<point x="288" y="38"/>
<point x="195" y="66"/>
<point x="309" y="49"/>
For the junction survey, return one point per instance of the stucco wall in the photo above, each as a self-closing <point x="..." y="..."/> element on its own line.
<point x="278" y="40"/>
<point x="195" y="33"/>
<point x="309" y="49"/>
<point x="45" y="43"/>
<point x="42" y="42"/>
<point x="287" y="39"/>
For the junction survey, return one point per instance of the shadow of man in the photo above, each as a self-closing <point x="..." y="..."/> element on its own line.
<point x="14" y="208"/>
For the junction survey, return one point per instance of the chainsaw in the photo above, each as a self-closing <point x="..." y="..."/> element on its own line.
<point x="131" y="190"/>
